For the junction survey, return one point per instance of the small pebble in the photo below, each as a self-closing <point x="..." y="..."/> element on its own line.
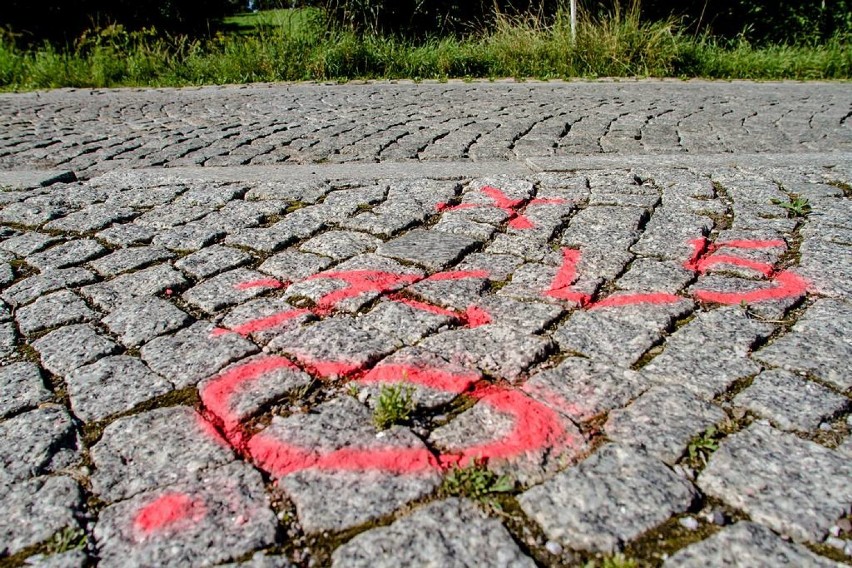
<point x="688" y="523"/>
<point x="845" y="525"/>
<point x="716" y="517"/>
<point x="553" y="547"/>
<point x="848" y="549"/>
<point x="834" y="530"/>
<point x="849" y="420"/>
<point x="835" y="542"/>
<point x="825" y="427"/>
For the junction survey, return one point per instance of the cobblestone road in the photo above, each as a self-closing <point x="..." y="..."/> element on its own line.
<point x="555" y="323"/>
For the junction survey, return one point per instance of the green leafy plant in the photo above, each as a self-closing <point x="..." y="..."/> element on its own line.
<point x="476" y="481"/>
<point x="395" y="405"/>
<point x="796" y="207"/>
<point x="704" y="445"/>
<point x="69" y="538"/>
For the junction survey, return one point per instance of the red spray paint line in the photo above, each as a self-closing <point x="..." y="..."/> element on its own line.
<point x="360" y="282"/>
<point x="218" y="394"/>
<point x="657" y="298"/>
<point x="270" y="283"/>
<point x="706" y="263"/>
<point x="560" y="287"/>
<point x="458" y="275"/>
<point x="262" y="324"/>
<point x="509" y="206"/>
<point x="473" y="316"/>
<point x="167" y="512"/>
<point x="789" y="286"/>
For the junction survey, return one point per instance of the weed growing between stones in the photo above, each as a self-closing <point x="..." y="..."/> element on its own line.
<point x="703" y="445"/>
<point x="395" y="406"/>
<point x="796" y="207"/>
<point x="69" y="538"/>
<point x="615" y="561"/>
<point x="475" y="481"/>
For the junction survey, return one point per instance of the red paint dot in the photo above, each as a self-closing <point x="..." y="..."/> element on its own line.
<point x="168" y="511"/>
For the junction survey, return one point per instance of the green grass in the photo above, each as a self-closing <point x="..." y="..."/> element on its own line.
<point x="394" y="406"/>
<point x="295" y="45"/>
<point x="475" y="481"/>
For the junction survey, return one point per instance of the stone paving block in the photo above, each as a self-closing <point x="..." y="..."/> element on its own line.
<point x="134" y="285"/>
<point x="166" y="217"/>
<point x="818" y="344"/>
<point x="744" y="545"/>
<point x="212" y="260"/>
<point x="792" y="486"/>
<point x="6" y="275"/>
<point x="531" y="250"/>
<point x="194" y="353"/>
<point x="616" y="226"/>
<point x="269" y="378"/>
<point x="92" y="218"/>
<point x="459" y="223"/>
<point x="768" y="309"/>
<point x="335" y="347"/>
<point x="34" y="211"/>
<point x="264" y="319"/>
<point x="127" y="259"/>
<point x="607" y="500"/>
<point x="142" y="197"/>
<point x="67" y="254"/>
<point x="499" y="266"/>
<point x="340" y="245"/>
<point x="228" y="289"/>
<point x="21" y="387"/>
<point x="127" y="234"/>
<point x="344" y="203"/>
<point x="37" y="442"/>
<point x="68" y="348"/>
<point x="826" y="266"/>
<point x="414" y="359"/>
<point x="222" y="515"/>
<point x="291" y="190"/>
<point x="189" y="237"/>
<point x="48" y="281"/>
<point x="662" y="421"/>
<point x="502" y="351"/>
<point x="692" y="354"/>
<point x="154" y="449"/>
<point x="28" y="243"/>
<point x="483" y="424"/>
<point x="112" y="385"/>
<point x="791" y="402"/>
<point x="403" y="322"/>
<point x="139" y="320"/>
<point x="531" y="282"/>
<point x="583" y="389"/>
<point x="265" y="240"/>
<point x="618" y="335"/>
<point x="453" y="532"/>
<point x="457" y="294"/>
<point x="58" y="308"/>
<point x="532" y="317"/>
<point x="646" y="275"/>
<point x="434" y="250"/>
<point x="35" y="510"/>
<point x="292" y="265"/>
<point x="363" y="494"/>
<point x="8" y="340"/>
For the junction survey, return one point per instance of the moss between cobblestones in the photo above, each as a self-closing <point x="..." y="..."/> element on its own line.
<point x="842" y="186"/>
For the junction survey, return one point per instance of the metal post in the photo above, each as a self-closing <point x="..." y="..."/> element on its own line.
<point x="573" y="21"/>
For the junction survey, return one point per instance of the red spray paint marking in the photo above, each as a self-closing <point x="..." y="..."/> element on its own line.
<point x="360" y="282"/>
<point x="566" y="276"/>
<point x="457" y="275"/>
<point x="789" y="284"/>
<point x="270" y="283"/>
<point x="656" y="298"/>
<point x="262" y="324"/>
<point x="217" y="396"/>
<point x="168" y="511"/>
<point x="509" y="206"/>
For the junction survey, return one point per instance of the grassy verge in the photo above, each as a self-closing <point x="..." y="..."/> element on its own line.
<point x="293" y="46"/>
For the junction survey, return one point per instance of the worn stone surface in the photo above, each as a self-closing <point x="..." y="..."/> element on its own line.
<point x="746" y="544"/>
<point x="662" y="421"/>
<point x="70" y="347"/>
<point x="221" y="515"/>
<point x="112" y="385"/>
<point x="452" y="532"/>
<point x="541" y="266"/>
<point x="607" y="500"/>
<point x="791" y="402"/>
<point x="37" y="442"/>
<point x="793" y="486"/>
<point x="21" y="386"/>
<point x="194" y="353"/>
<point x="139" y="320"/>
<point x="818" y="343"/>
<point x="35" y="510"/>
<point x="154" y="449"/>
